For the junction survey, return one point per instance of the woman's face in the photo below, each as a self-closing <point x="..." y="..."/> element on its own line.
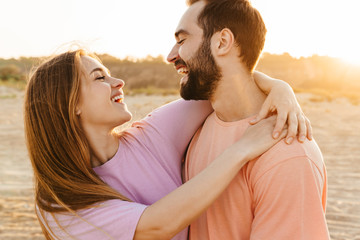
<point x="101" y="97"/>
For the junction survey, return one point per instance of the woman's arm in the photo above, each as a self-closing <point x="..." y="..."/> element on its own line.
<point x="177" y="121"/>
<point x="168" y="216"/>
<point x="281" y="99"/>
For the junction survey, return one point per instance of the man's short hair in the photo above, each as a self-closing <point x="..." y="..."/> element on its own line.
<point x="242" y="19"/>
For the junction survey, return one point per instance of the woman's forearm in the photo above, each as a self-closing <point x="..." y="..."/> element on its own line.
<point x="168" y="216"/>
<point x="266" y="83"/>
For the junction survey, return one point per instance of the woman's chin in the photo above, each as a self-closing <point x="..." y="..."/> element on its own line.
<point x="128" y="117"/>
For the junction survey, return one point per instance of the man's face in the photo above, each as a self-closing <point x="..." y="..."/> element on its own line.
<point x="203" y="74"/>
<point x="192" y="57"/>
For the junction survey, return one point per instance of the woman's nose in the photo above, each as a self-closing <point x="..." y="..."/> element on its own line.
<point x="117" y="83"/>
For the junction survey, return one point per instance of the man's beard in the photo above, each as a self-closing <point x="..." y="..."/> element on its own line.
<point x="204" y="75"/>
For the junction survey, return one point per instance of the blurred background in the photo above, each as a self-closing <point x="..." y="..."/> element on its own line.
<point x="313" y="45"/>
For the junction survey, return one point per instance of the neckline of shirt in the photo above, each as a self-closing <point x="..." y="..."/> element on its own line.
<point x="229" y="124"/>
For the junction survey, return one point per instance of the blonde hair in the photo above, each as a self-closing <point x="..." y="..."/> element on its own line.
<point x="57" y="146"/>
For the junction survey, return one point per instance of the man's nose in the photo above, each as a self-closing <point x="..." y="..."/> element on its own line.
<point x="174" y="54"/>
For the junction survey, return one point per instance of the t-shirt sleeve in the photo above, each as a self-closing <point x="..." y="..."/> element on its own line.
<point x="288" y="202"/>
<point x="113" y="219"/>
<point x="178" y="121"/>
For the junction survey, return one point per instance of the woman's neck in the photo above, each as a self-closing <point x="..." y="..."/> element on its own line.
<point x="103" y="144"/>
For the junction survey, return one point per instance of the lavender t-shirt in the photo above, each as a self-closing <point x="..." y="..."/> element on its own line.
<point x="146" y="167"/>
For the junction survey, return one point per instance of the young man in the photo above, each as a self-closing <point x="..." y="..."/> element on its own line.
<point x="280" y="195"/>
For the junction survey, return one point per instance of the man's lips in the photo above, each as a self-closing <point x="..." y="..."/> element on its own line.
<point x="182" y="70"/>
<point x="177" y="66"/>
<point x="180" y="66"/>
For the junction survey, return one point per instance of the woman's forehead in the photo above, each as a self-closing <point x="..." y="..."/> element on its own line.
<point x="88" y="63"/>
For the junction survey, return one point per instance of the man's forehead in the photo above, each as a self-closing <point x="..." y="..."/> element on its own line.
<point x="189" y="18"/>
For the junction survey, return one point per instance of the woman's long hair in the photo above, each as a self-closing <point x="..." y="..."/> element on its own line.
<point x="57" y="146"/>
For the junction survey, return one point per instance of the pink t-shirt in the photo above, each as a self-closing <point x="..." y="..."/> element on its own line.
<point x="146" y="167"/>
<point x="280" y="195"/>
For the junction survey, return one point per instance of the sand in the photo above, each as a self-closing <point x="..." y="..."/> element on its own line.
<point x="336" y="127"/>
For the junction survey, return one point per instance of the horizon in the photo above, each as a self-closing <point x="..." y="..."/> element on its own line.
<point x="134" y="59"/>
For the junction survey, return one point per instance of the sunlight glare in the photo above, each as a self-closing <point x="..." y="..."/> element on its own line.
<point x="351" y="59"/>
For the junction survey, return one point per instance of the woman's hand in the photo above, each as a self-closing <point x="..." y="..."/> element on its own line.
<point x="257" y="139"/>
<point x="282" y="100"/>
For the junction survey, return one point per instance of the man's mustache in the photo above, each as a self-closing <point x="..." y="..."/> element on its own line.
<point x="179" y="62"/>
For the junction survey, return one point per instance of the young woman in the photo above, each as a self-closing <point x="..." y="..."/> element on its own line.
<point x="92" y="184"/>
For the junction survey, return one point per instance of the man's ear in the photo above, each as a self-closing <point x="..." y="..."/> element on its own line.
<point x="223" y="42"/>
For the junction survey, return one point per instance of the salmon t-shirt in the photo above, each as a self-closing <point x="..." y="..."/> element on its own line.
<point x="280" y="195"/>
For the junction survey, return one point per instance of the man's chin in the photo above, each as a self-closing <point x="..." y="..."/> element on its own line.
<point x="189" y="89"/>
<point x="185" y="92"/>
<point x="184" y="80"/>
<point x="189" y="94"/>
<point x="185" y="96"/>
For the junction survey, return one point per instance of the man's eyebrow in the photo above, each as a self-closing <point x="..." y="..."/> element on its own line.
<point x="181" y="31"/>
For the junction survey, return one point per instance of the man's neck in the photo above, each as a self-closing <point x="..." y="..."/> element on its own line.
<point x="237" y="97"/>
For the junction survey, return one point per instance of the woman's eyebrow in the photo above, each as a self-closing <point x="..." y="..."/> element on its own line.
<point x="100" y="69"/>
<point x="96" y="69"/>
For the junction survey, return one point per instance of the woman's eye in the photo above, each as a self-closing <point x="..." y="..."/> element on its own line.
<point x="102" y="78"/>
<point x="181" y="41"/>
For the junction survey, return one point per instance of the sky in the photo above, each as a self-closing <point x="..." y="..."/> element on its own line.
<point x="138" y="28"/>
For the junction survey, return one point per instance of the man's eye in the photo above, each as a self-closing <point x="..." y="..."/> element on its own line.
<point x="102" y="78"/>
<point x="181" y="41"/>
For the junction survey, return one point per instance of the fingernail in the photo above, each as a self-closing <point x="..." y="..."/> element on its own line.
<point x="289" y="140"/>
<point x="253" y="120"/>
<point x="302" y="138"/>
<point x="276" y="135"/>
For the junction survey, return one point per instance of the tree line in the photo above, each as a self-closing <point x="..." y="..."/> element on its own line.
<point x="305" y="73"/>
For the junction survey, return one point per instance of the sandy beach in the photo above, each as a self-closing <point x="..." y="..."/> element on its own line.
<point x="336" y="127"/>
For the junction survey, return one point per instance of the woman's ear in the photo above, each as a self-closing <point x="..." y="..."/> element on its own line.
<point x="223" y="42"/>
<point x="77" y="111"/>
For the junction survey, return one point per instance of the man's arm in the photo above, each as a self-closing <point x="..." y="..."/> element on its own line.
<point x="281" y="99"/>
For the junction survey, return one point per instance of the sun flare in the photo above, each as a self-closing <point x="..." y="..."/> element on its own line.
<point x="352" y="60"/>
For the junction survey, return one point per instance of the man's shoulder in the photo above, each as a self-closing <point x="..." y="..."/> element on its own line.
<point x="282" y="151"/>
<point x="307" y="153"/>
